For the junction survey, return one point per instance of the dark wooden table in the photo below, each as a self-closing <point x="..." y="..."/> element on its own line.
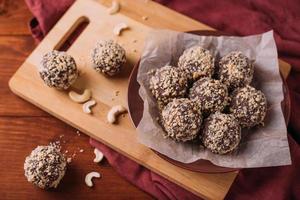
<point x="24" y="126"/>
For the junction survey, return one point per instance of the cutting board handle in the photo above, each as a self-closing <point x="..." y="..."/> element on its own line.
<point x="72" y="34"/>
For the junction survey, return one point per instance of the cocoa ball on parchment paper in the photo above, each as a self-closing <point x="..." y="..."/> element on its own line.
<point x="211" y="94"/>
<point x="196" y="62"/>
<point x="249" y="106"/>
<point x="235" y="70"/>
<point x="108" y="57"/>
<point x="181" y="119"/>
<point x="45" y="166"/>
<point x="167" y="83"/>
<point x="221" y="133"/>
<point x="58" y="70"/>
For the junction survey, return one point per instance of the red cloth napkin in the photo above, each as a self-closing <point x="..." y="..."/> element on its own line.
<point x="235" y="17"/>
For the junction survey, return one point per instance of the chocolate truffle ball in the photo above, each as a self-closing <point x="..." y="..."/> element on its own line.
<point x="58" y="70"/>
<point x="108" y="57"/>
<point x="181" y="119"/>
<point x="249" y="106"/>
<point x="235" y="70"/>
<point x="211" y="94"/>
<point x="45" y="166"/>
<point x="221" y="133"/>
<point x="167" y="83"/>
<point x="196" y="62"/>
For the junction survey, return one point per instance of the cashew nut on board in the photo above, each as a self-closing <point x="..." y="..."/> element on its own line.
<point x="80" y="98"/>
<point x="119" y="28"/>
<point x="98" y="155"/>
<point x="89" y="177"/>
<point x="115" y="7"/>
<point x="114" y="112"/>
<point x="86" y="107"/>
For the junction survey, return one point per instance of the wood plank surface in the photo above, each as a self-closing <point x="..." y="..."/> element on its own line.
<point x="14" y="50"/>
<point x="14" y="17"/>
<point x="24" y="135"/>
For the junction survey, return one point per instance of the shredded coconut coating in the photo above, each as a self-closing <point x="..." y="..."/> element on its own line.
<point x="196" y="62"/>
<point x="181" y="119"/>
<point x="235" y="70"/>
<point x="45" y="166"/>
<point x="58" y="70"/>
<point x="249" y="106"/>
<point x="108" y="57"/>
<point x="211" y="94"/>
<point x="221" y="133"/>
<point x="168" y="83"/>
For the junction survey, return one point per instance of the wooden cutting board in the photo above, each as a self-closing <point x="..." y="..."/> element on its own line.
<point x="122" y="137"/>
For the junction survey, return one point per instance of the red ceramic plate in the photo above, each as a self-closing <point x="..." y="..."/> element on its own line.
<point x="136" y="107"/>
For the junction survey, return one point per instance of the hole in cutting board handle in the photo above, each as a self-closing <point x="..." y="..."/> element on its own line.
<point x="70" y="37"/>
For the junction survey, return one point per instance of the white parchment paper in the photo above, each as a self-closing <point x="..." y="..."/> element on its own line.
<point x="260" y="147"/>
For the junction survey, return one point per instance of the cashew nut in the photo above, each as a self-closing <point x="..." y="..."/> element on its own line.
<point x="80" y="98"/>
<point x="119" y="28"/>
<point x="86" y="107"/>
<point x="115" y="7"/>
<point x="114" y="112"/>
<point x="89" y="176"/>
<point x="99" y="155"/>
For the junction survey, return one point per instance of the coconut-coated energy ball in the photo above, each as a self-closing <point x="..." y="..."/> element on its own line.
<point x="167" y="83"/>
<point x="221" y="133"/>
<point x="181" y="119"/>
<point x="249" y="106"/>
<point x="196" y="62"/>
<point x="235" y="70"/>
<point x="45" y="166"/>
<point x="211" y="94"/>
<point x="108" y="57"/>
<point x="58" y="70"/>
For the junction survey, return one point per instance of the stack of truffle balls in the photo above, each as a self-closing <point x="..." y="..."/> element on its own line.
<point x="199" y="101"/>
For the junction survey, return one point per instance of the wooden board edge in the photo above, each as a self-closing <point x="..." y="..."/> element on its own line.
<point x="285" y="68"/>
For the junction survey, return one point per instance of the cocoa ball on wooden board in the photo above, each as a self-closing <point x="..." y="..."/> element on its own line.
<point x="235" y="70"/>
<point x="58" y="70"/>
<point x="211" y="94"/>
<point x="181" y="119"/>
<point x="196" y="62"/>
<point x="249" y="106"/>
<point x="45" y="166"/>
<point x="167" y="83"/>
<point x="108" y="57"/>
<point x="221" y="133"/>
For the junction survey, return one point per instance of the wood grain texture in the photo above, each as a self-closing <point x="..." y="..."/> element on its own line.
<point x="24" y="135"/>
<point x="14" y="17"/>
<point x="14" y="50"/>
